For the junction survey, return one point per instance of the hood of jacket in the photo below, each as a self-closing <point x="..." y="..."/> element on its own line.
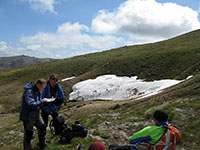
<point x="31" y="85"/>
<point x="163" y="124"/>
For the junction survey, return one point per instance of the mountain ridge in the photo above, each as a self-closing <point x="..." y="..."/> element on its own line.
<point x="21" y="60"/>
<point x="112" y="122"/>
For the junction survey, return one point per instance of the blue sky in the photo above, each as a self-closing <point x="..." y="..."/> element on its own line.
<point x="66" y="28"/>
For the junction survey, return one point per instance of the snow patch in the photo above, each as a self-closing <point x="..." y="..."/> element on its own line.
<point x="111" y="87"/>
<point x="67" y="79"/>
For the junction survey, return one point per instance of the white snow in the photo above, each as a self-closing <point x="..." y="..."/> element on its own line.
<point x="67" y="79"/>
<point x="111" y="87"/>
<point x="189" y="77"/>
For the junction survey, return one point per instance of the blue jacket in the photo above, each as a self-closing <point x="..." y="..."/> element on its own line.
<point x="31" y="103"/>
<point x="47" y="94"/>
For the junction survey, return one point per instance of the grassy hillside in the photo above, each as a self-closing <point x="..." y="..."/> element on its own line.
<point x="114" y="121"/>
<point x="17" y="61"/>
<point x="175" y="58"/>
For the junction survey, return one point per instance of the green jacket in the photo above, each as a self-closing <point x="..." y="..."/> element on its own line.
<point x="150" y="134"/>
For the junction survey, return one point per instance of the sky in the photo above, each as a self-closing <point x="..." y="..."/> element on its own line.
<point x="65" y="28"/>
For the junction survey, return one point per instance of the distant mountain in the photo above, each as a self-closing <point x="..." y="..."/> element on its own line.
<point x="18" y="61"/>
<point x="114" y="121"/>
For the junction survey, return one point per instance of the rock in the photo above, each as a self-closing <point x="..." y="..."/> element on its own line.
<point x="98" y="138"/>
<point x="68" y="113"/>
<point x="1" y="109"/>
<point x="70" y="106"/>
<point x="81" y="105"/>
<point x="116" y="106"/>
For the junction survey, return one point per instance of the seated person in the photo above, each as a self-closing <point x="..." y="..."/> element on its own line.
<point x="153" y="135"/>
<point x="157" y="137"/>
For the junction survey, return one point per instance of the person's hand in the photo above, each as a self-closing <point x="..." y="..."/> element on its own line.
<point x="58" y="102"/>
<point x="45" y="99"/>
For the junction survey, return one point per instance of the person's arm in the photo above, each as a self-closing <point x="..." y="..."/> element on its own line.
<point x="62" y="93"/>
<point x="60" y="97"/>
<point x="31" y="102"/>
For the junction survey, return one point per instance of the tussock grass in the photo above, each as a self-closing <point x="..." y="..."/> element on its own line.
<point x="176" y="58"/>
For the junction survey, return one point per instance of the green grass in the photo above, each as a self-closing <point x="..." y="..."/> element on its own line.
<point x="183" y="115"/>
<point x="176" y="58"/>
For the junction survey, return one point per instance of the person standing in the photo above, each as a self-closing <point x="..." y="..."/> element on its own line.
<point x="30" y="112"/>
<point x="52" y="90"/>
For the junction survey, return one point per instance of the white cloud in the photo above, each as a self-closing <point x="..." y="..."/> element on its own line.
<point x="33" y="47"/>
<point x="68" y="40"/>
<point x="7" y="49"/>
<point x="42" y="5"/>
<point x="3" y="46"/>
<point x="146" y="20"/>
<point x="135" y="21"/>
<point x="73" y="36"/>
<point x="67" y="35"/>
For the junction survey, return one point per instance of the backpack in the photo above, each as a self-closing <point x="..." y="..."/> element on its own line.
<point x="166" y="142"/>
<point x="58" y="127"/>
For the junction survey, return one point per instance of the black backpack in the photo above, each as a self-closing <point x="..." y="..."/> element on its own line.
<point x="58" y="127"/>
<point x="78" y="130"/>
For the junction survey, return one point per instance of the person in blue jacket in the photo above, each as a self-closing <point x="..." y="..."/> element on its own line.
<point x="52" y="90"/>
<point x="30" y="112"/>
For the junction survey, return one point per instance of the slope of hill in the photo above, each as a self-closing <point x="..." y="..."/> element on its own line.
<point x="107" y="121"/>
<point x="19" y="61"/>
<point x="176" y="58"/>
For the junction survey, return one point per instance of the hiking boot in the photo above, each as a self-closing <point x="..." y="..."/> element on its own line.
<point x="42" y="146"/>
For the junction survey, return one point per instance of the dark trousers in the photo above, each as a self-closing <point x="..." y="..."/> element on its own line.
<point x="28" y="132"/>
<point x="45" y="117"/>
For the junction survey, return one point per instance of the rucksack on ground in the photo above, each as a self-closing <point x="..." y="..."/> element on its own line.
<point x="59" y="128"/>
